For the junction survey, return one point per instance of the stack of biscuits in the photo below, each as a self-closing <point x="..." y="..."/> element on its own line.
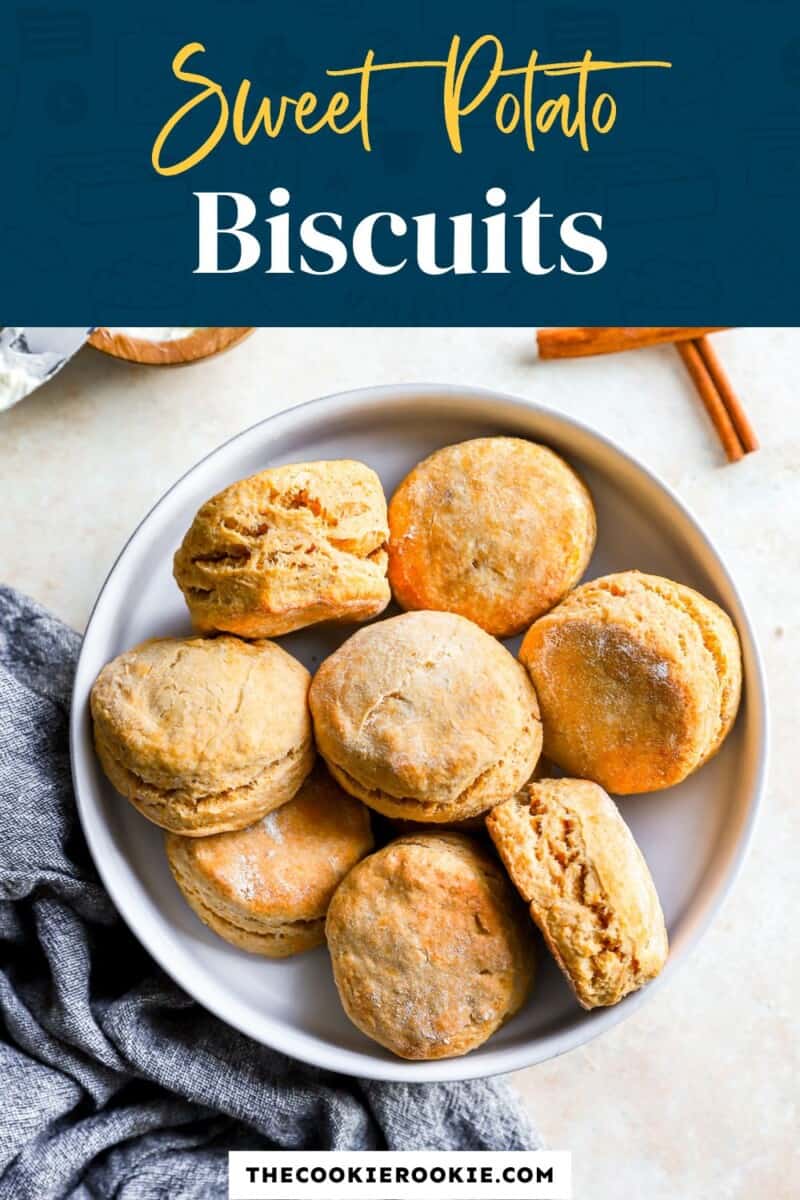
<point x="265" y="779"/>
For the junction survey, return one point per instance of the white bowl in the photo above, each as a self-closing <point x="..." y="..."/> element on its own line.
<point x="694" y="836"/>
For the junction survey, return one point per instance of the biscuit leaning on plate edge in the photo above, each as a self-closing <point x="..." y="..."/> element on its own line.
<point x="638" y="680"/>
<point x="575" y="863"/>
<point x="180" y="730"/>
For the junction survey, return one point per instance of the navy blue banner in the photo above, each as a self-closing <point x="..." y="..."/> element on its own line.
<point x="229" y="162"/>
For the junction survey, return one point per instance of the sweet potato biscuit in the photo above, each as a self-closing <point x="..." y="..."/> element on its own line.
<point x="266" y="889"/>
<point x="638" y="679"/>
<point x="287" y="548"/>
<point x="204" y="735"/>
<point x="497" y="529"/>
<point x="431" y="948"/>
<point x="426" y="717"/>
<point x="574" y="862"/>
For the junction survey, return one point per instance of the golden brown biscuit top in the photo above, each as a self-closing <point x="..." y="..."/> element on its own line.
<point x="420" y="705"/>
<point x="430" y="944"/>
<point x="287" y="865"/>
<point x="496" y="529"/>
<point x="638" y="678"/>
<point x="208" y="714"/>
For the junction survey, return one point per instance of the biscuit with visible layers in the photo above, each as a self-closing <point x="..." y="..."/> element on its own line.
<point x="638" y="680"/>
<point x="573" y="860"/>
<point x="266" y="889"/>
<point x="204" y="735"/>
<point x="497" y="529"/>
<point x="426" y="717"/>
<point x="431" y="948"/>
<point x="471" y="825"/>
<point x="287" y="548"/>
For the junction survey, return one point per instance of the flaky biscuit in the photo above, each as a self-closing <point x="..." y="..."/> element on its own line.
<point x="638" y="680"/>
<point x="266" y="889"/>
<point x="497" y="529"/>
<point x="573" y="860"/>
<point x="204" y="735"/>
<point x="431" y="948"/>
<point x="426" y="717"/>
<point x="287" y="548"/>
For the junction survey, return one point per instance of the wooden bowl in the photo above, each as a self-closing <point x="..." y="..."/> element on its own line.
<point x="188" y="346"/>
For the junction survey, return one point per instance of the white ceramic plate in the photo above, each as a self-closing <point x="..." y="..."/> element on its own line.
<point x="694" y="836"/>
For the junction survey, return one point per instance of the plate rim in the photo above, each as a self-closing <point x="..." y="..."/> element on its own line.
<point x="310" y="1048"/>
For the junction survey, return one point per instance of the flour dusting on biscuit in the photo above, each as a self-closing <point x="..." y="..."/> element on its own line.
<point x="266" y="889"/>
<point x="638" y="678"/>
<point x="431" y="949"/>
<point x="426" y="717"/>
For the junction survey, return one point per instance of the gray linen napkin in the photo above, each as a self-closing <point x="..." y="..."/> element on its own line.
<point x="113" y="1082"/>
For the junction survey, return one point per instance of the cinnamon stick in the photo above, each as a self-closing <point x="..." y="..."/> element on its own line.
<point x="712" y="400"/>
<point x="738" y="416"/>
<point x="607" y="339"/>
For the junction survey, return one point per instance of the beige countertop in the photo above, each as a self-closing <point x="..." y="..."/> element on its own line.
<point x="695" y="1095"/>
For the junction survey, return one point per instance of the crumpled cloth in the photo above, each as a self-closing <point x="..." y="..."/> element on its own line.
<point x="113" y="1082"/>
